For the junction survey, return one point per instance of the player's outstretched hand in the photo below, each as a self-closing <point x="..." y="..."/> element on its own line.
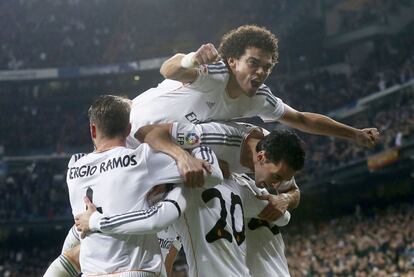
<point x="192" y="170"/>
<point x="206" y="54"/>
<point x="367" y="137"/>
<point x="277" y="206"/>
<point x="82" y="219"/>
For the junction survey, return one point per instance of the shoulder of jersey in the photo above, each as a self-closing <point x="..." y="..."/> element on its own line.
<point x="264" y="90"/>
<point x="216" y="68"/>
<point x="75" y="158"/>
<point x="243" y="179"/>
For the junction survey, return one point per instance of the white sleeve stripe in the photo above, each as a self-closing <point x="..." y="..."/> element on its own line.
<point x="219" y="135"/>
<point x="220" y="64"/>
<point x="221" y="143"/>
<point x="131" y="218"/>
<point x="217" y="68"/>
<point x="218" y="72"/>
<point x="221" y="139"/>
<point x="111" y="219"/>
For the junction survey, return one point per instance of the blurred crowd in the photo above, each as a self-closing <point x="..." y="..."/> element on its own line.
<point x="358" y="14"/>
<point x="58" y="33"/>
<point x="394" y="120"/>
<point x="392" y="63"/>
<point x="375" y="244"/>
<point x="35" y="192"/>
<point x="30" y="261"/>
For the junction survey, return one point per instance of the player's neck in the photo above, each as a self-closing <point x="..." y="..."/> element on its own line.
<point x="248" y="152"/>
<point x="233" y="89"/>
<point x="103" y="145"/>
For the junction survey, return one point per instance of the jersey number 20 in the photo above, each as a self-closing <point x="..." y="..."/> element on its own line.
<point x="219" y="231"/>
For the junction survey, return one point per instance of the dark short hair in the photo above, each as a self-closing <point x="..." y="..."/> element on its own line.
<point x="234" y="43"/>
<point x="283" y="145"/>
<point x="110" y="114"/>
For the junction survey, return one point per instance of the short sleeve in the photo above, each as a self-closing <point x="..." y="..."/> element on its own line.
<point x="187" y="135"/>
<point x="266" y="105"/>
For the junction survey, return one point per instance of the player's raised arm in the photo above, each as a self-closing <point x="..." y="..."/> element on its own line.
<point x="322" y="125"/>
<point x="159" y="138"/>
<point x="183" y="68"/>
<point x="151" y="220"/>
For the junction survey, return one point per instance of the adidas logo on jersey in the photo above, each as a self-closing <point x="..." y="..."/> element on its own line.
<point x="210" y="104"/>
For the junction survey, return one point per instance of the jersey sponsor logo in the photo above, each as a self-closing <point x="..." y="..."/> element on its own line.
<point x="89" y="170"/>
<point x="192" y="117"/>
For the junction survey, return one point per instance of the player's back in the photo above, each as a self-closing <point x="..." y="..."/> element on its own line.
<point x="117" y="182"/>
<point x="212" y="231"/>
<point x="265" y="246"/>
<point x="265" y="249"/>
<point x="213" y="228"/>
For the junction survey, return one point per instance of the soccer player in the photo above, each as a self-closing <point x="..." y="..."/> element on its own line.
<point x="210" y="247"/>
<point x="117" y="179"/>
<point x="199" y="89"/>
<point x="238" y="146"/>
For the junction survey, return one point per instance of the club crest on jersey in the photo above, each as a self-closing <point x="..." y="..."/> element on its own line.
<point x="191" y="139"/>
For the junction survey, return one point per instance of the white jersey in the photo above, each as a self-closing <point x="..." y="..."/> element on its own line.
<point x="203" y="100"/>
<point x="226" y="139"/>
<point x="117" y="181"/>
<point x="265" y="246"/>
<point x="265" y="249"/>
<point x="168" y="238"/>
<point x="213" y="228"/>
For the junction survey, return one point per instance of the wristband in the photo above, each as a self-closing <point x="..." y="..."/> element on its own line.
<point x="187" y="61"/>
<point x="94" y="221"/>
<point x="283" y="220"/>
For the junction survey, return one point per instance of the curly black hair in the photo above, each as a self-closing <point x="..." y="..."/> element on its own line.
<point x="234" y="43"/>
<point x="283" y="145"/>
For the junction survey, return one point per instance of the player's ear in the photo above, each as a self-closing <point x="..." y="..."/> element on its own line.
<point x="92" y="128"/>
<point x="261" y="156"/>
<point x="232" y="62"/>
<point x="129" y="129"/>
